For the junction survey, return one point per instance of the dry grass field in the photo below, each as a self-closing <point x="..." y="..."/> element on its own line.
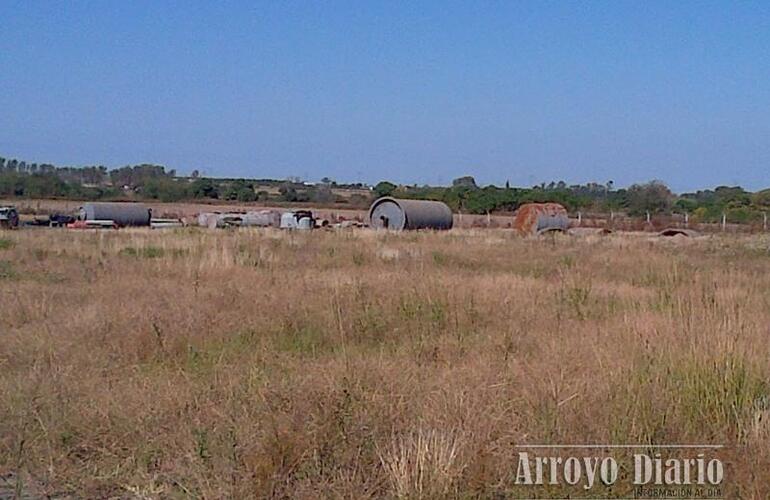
<point x="259" y="363"/>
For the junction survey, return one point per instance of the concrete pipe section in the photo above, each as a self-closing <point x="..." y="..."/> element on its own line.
<point x="122" y="214"/>
<point x="400" y="214"/>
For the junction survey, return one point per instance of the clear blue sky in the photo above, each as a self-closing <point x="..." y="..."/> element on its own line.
<point x="415" y="92"/>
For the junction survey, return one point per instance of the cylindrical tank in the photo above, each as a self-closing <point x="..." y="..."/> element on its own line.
<point x="123" y="214"/>
<point x="399" y="214"/>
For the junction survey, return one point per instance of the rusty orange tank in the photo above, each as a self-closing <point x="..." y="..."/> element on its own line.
<point x="536" y="218"/>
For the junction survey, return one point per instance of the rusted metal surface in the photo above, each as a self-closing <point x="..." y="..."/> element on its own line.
<point x="537" y="218"/>
<point x="399" y="214"/>
<point x="123" y="214"/>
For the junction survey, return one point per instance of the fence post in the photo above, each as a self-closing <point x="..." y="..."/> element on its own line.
<point x="580" y="218"/>
<point x="489" y="219"/>
<point x="724" y="221"/>
<point x="764" y="223"/>
<point x="648" y="216"/>
<point x="686" y="219"/>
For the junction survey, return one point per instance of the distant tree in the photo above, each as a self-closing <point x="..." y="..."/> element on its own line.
<point x="165" y="189"/>
<point x="732" y="196"/>
<point x="465" y="181"/>
<point x="685" y="205"/>
<point x="204" y="188"/>
<point x="246" y="194"/>
<point x="761" y="198"/>
<point x="44" y="186"/>
<point x="384" y="188"/>
<point x="137" y="175"/>
<point x="653" y="197"/>
<point x="240" y="190"/>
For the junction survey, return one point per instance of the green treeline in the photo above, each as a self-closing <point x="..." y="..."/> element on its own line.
<point x="21" y="179"/>
<point x="736" y="203"/>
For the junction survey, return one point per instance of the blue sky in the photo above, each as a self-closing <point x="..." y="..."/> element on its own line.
<point x="414" y="92"/>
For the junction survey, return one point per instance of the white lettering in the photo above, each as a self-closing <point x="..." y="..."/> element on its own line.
<point x="642" y="468"/>
<point x="572" y="470"/>
<point x="715" y="471"/>
<point x="609" y="471"/>
<point x="523" y="474"/>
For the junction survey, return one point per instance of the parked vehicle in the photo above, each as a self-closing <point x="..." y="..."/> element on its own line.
<point x="9" y="217"/>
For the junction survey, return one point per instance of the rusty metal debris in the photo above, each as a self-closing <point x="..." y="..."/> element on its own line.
<point x="532" y="219"/>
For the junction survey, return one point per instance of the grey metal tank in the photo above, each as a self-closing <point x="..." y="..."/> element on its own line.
<point x="123" y="214"/>
<point x="399" y="214"/>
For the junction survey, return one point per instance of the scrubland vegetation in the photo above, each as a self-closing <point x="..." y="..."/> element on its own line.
<point x="20" y="180"/>
<point x="368" y="365"/>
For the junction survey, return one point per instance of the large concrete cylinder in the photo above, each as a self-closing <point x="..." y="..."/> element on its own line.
<point x="399" y="214"/>
<point x="262" y="218"/>
<point x="123" y="214"/>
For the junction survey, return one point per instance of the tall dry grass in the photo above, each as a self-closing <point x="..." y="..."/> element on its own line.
<point x="252" y="363"/>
